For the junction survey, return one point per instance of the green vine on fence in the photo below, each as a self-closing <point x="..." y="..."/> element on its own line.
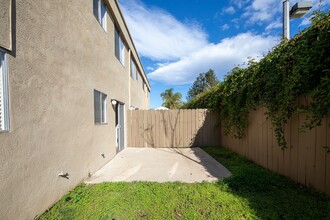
<point x="296" y="68"/>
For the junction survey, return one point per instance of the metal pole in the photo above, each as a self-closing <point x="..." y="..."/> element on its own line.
<point x="286" y="19"/>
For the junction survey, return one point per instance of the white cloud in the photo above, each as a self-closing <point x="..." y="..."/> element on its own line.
<point x="305" y="22"/>
<point x="268" y="11"/>
<point x="230" y="10"/>
<point x="158" y="35"/>
<point x="274" y="25"/>
<point x="221" y="57"/>
<point x="225" y="27"/>
<point x="240" y="3"/>
<point x="261" y="11"/>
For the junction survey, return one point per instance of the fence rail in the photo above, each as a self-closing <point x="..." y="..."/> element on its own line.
<point x="172" y="128"/>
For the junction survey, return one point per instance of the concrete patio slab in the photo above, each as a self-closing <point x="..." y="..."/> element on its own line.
<point x="160" y="165"/>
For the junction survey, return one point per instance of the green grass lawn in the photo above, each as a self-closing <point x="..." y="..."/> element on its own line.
<point x="251" y="193"/>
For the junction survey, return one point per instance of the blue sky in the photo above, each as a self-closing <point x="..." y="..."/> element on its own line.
<point x="178" y="39"/>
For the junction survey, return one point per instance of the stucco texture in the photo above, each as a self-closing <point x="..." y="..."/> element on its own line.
<point x="62" y="54"/>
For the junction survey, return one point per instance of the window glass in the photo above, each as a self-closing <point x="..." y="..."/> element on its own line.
<point x="132" y="68"/>
<point x="100" y="107"/>
<point x="119" y="47"/>
<point x="117" y="52"/>
<point x="100" y="11"/>
<point x="103" y="20"/>
<point x="104" y="108"/>
<point x="96" y="9"/>
<point x="97" y="104"/>
<point x="122" y="51"/>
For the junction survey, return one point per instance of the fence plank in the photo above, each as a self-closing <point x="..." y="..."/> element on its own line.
<point x="193" y="127"/>
<point x="302" y="153"/>
<point x="275" y="152"/>
<point x="320" y="155"/>
<point x="259" y="149"/>
<point x="134" y="130"/>
<point x="252" y="136"/>
<point x="270" y="135"/>
<point x="327" y="169"/>
<point x="310" y="155"/>
<point x="294" y="147"/>
<point x="128" y="128"/>
<point x="287" y="151"/>
<point x="162" y="130"/>
<point x="146" y="129"/>
<point x="264" y="142"/>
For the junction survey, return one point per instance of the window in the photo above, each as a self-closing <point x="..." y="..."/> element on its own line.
<point x="100" y="107"/>
<point x="119" y="47"/>
<point x="100" y="11"/>
<point x="4" y="98"/>
<point x="133" y="68"/>
<point x="137" y="74"/>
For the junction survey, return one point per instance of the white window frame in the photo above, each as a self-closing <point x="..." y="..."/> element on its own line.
<point x="120" y="46"/>
<point x="101" y="13"/>
<point x="4" y="94"/>
<point x="103" y="108"/>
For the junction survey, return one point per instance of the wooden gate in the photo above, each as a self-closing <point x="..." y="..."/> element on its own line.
<point x="173" y="128"/>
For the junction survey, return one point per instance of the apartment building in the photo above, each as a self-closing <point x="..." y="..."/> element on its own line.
<point x="69" y="70"/>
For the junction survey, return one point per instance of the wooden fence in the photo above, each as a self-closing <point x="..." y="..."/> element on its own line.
<point x="172" y="128"/>
<point x="306" y="159"/>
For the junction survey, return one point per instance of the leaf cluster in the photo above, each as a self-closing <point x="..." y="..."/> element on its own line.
<point x="296" y="68"/>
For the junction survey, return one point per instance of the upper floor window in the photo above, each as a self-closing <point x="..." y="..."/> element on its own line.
<point x="4" y="97"/>
<point x="119" y="47"/>
<point x="100" y="107"/>
<point x="137" y="74"/>
<point x="133" y="68"/>
<point x="100" y="11"/>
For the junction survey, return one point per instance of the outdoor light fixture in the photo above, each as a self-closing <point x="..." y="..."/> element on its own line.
<point x="300" y="9"/>
<point x="114" y="102"/>
<point x="297" y="11"/>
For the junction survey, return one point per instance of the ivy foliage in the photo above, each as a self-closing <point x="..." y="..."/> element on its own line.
<point x="295" y="68"/>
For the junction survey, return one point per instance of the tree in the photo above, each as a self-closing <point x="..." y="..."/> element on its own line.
<point x="171" y="100"/>
<point x="203" y="82"/>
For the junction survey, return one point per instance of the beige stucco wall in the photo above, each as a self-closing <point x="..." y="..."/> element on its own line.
<point x="62" y="54"/>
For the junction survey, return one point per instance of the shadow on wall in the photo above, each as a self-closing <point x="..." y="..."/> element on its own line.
<point x="13" y="28"/>
<point x="173" y="128"/>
